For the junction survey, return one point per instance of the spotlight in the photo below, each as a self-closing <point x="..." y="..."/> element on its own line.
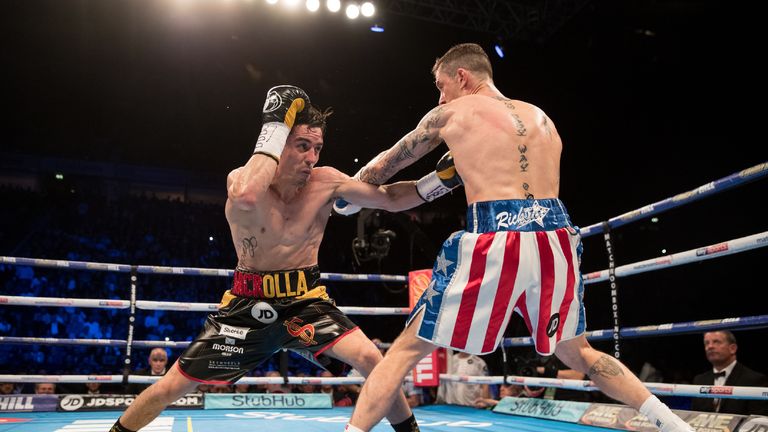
<point x="333" y="5"/>
<point x="313" y="5"/>
<point x="367" y="9"/>
<point x="377" y="28"/>
<point x="499" y="50"/>
<point x="291" y="3"/>
<point x="353" y="11"/>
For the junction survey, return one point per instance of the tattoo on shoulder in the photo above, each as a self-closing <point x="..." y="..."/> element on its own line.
<point x="249" y="247"/>
<point x="547" y="126"/>
<point x="606" y="367"/>
<point x="519" y="125"/>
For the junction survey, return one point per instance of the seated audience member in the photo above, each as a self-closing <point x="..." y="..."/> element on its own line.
<point x="158" y="366"/>
<point x="45" y="388"/>
<point x="454" y="393"/>
<point x="720" y="348"/>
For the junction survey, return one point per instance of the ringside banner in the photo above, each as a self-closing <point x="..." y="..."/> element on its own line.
<point x="75" y="402"/>
<point x="267" y="400"/>
<point x="566" y="411"/>
<point x="28" y="403"/>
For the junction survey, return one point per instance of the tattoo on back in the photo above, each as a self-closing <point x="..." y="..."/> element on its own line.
<point x="522" y="148"/>
<point x="606" y="367"/>
<point x="249" y="247"/>
<point x="528" y="194"/>
<point x="519" y="125"/>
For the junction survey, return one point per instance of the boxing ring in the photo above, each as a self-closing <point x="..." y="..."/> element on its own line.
<point x="430" y="417"/>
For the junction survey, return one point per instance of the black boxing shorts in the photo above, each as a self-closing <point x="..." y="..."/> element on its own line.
<point x="263" y="313"/>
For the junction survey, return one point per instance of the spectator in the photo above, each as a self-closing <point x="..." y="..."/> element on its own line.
<point x="45" y="388"/>
<point x="505" y="390"/>
<point x="276" y="388"/>
<point x="242" y="388"/>
<point x="221" y="388"/>
<point x="93" y="388"/>
<point x="7" y="388"/>
<point x="455" y="393"/>
<point x="338" y="393"/>
<point x="158" y="366"/>
<point x="720" y="348"/>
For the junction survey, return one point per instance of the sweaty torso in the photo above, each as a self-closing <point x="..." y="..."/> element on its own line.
<point x="503" y="149"/>
<point x="282" y="235"/>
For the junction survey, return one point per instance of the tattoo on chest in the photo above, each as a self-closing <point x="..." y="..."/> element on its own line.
<point x="249" y="247"/>
<point x="605" y="366"/>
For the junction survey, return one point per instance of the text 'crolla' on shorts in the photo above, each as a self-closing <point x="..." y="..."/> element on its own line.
<point x="246" y="331"/>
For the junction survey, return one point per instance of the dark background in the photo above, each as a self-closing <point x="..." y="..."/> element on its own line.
<point x="651" y="98"/>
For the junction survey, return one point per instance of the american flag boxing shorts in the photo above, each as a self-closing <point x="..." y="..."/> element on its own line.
<point x="516" y="255"/>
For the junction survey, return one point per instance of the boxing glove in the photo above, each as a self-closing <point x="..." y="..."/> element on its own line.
<point x="282" y="105"/>
<point x="344" y="207"/>
<point x="439" y="182"/>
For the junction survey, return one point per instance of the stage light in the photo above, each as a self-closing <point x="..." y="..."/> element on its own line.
<point x="377" y="28"/>
<point x="291" y="3"/>
<point x="499" y="50"/>
<point x="333" y="5"/>
<point x="313" y="5"/>
<point x="353" y="11"/>
<point x="367" y="9"/>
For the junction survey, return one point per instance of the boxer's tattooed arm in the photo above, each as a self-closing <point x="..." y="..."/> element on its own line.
<point x="605" y="367"/>
<point x="409" y="149"/>
<point x="249" y="247"/>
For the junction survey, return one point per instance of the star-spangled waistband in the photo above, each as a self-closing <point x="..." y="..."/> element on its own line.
<point x="517" y="215"/>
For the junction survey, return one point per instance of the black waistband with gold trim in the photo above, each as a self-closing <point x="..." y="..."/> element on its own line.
<point x="275" y="284"/>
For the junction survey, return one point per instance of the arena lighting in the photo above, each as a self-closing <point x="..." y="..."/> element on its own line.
<point x="377" y="28"/>
<point x="367" y="9"/>
<point x="272" y="2"/>
<point x="353" y="11"/>
<point x="499" y="50"/>
<point x="291" y="3"/>
<point x="313" y="5"/>
<point x="333" y="5"/>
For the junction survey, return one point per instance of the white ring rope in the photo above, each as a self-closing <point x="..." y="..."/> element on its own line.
<point x="738" y="245"/>
<point x="728" y="392"/>
<point x="717" y="250"/>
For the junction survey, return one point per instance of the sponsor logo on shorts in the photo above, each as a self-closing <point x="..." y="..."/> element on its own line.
<point x="554" y="323"/>
<point x="226" y="365"/>
<point x="305" y="333"/>
<point x="235" y="332"/>
<point x="716" y="390"/>
<point x="264" y="313"/>
<point x="227" y="350"/>
<point x="524" y="216"/>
